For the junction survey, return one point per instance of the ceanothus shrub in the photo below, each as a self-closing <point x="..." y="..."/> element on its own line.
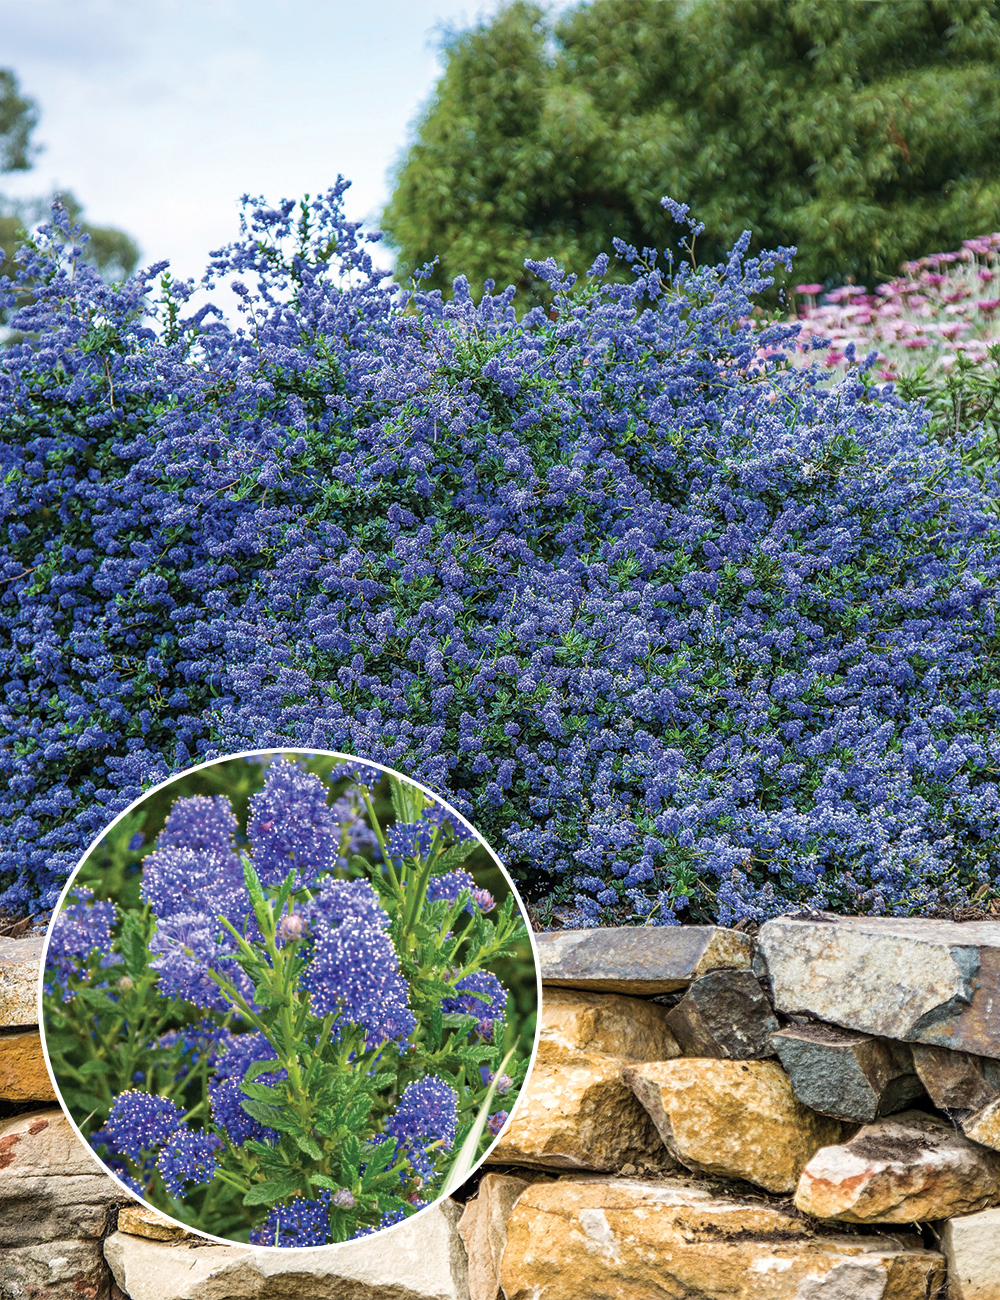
<point x="685" y="632"/>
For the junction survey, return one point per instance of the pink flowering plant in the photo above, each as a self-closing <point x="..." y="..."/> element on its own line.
<point x="297" y="1037"/>
<point x="935" y="329"/>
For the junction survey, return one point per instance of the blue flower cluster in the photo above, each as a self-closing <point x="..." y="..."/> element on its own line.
<point x="671" y="622"/>
<point x="427" y="1116"/>
<point x="82" y="926"/>
<point x="482" y="995"/>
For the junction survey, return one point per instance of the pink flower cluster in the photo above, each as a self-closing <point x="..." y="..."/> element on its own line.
<point x="941" y="306"/>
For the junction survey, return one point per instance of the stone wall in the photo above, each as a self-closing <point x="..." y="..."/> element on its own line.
<point x="811" y="1116"/>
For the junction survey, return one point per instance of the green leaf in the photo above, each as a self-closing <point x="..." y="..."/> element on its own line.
<point x="452" y="856"/>
<point x="379" y="1158"/>
<point x="132" y="944"/>
<point x="262" y="1092"/>
<point x="465" y="1160"/>
<point x="273" y="1190"/>
<point x="309" y="1145"/>
<point x="271" y="1116"/>
<point x="259" y="1067"/>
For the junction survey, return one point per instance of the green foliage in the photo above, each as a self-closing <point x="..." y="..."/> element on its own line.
<point x="862" y="133"/>
<point x="18" y="118"/>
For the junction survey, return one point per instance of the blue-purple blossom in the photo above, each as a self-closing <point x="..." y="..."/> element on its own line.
<point x="481" y="995"/>
<point x="81" y="927"/>
<point x="242" y="1051"/>
<point x="339" y="899"/>
<point x="424" y="1122"/>
<point x="226" y="1098"/>
<point x="496" y="1122"/>
<point x="450" y="884"/>
<point x="670" y="623"/>
<point x="139" y="1121"/>
<point x="290" y="826"/>
<point x="301" y="1223"/>
<point x="187" y="947"/>
<point x="187" y="1156"/>
<point x="354" y="973"/>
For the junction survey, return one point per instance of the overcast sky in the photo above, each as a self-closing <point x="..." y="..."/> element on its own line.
<point x="159" y="114"/>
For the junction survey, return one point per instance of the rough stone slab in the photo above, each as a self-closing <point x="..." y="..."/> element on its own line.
<point x="848" y="1075"/>
<point x="921" y="981"/>
<point x="23" y="1074"/>
<point x="971" y="1245"/>
<point x="51" y="1186"/>
<point x="420" y="1259"/>
<point x="957" y="1080"/>
<point x="642" y="959"/>
<point x="725" y="1015"/>
<point x="983" y="1126"/>
<point x="575" y="1112"/>
<point x="737" y="1119"/>
<point x="20" y="960"/>
<point x="906" y="1168"/>
<point x="141" y="1221"/>
<point x="629" y="1028"/>
<point x="584" y="1239"/>
<point x="55" y="1270"/>
<point x="483" y="1228"/>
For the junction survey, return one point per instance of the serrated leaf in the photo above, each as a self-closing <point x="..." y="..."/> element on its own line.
<point x="262" y="1092"/>
<point x="378" y="1159"/>
<point x="271" y="1116"/>
<point x="452" y="856"/>
<point x="271" y="1191"/>
<point x="132" y="944"/>
<point x="309" y="1145"/>
<point x="436" y="1025"/>
<point x="259" y="1067"/>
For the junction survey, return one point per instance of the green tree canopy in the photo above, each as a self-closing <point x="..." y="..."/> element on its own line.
<point x="862" y="133"/>
<point x="114" y="253"/>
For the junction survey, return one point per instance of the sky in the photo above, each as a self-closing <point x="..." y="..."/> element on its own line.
<point x="159" y="114"/>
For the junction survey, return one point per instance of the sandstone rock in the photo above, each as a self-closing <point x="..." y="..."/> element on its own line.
<point x="19" y="963"/>
<point x="575" y="1112"/>
<point x="420" y="1259"/>
<point x="23" y="1073"/>
<point x="483" y="1228"/>
<point x="983" y="1126"/>
<point x="640" y="959"/>
<point x="591" y="1239"/>
<point x="971" y="1245"/>
<point x="56" y="1270"/>
<point x="628" y="1028"/>
<point x="906" y="1168"/>
<point x="917" y="980"/>
<point x="738" y="1119"/>
<point x="846" y="1074"/>
<point x="51" y="1186"/>
<point x="957" y="1080"/>
<point x="141" y="1221"/>
<point x="724" y="1014"/>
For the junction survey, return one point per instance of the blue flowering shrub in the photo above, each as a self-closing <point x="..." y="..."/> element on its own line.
<point x="687" y="633"/>
<point x="295" y="1037"/>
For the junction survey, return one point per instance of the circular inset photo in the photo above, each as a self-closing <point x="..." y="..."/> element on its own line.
<point x="289" y="998"/>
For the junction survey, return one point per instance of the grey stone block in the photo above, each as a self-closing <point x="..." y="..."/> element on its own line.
<point x="848" y="1075"/>
<point x="724" y="1015"/>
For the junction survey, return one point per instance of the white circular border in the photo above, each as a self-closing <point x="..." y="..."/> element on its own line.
<point x="299" y="752"/>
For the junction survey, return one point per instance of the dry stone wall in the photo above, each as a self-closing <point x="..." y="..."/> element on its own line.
<point x="811" y="1116"/>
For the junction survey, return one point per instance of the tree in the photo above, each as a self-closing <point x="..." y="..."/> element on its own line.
<point x="862" y="133"/>
<point x="113" y="252"/>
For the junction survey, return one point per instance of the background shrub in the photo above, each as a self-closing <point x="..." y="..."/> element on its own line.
<point x="863" y="133"/>
<point x="683" y="633"/>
